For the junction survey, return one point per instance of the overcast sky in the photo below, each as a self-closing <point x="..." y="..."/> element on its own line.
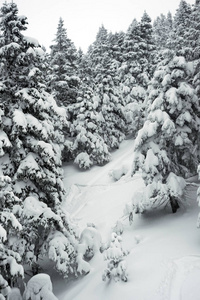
<point x="83" y="18"/>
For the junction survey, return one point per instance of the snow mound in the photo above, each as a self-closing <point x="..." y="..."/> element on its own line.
<point x="116" y="174"/>
<point x="90" y="243"/>
<point x="14" y="294"/>
<point x="39" y="287"/>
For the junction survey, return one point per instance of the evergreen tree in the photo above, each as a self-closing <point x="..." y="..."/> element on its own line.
<point x="167" y="146"/>
<point x="31" y="144"/>
<point x="182" y="18"/>
<point x="136" y="70"/>
<point x="116" y="267"/>
<point x="130" y="67"/>
<point x="88" y="146"/>
<point x="99" y="47"/>
<point x="194" y="33"/>
<point x="85" y="71"/>
<point x="112" y="104"/>
<point x="115" y="45"/>
<point x="63" y="77"/>
<point x="147" y="46"/>
<point x="11" y="270"/>
<point x="178" y="38"/>
<point x="162" y="27"/>
<point x="106" y="86"/>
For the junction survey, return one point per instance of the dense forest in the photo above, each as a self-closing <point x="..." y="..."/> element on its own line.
<point x="63" y="106"/>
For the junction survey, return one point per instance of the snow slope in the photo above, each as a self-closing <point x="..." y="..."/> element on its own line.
<point x="164" y="248"/>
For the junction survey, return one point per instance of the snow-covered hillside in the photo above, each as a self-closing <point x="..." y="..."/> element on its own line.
<point x="164" y="248"/>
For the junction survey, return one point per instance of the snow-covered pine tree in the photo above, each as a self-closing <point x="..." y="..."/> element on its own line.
<point x="116" y="266"/>
<point x="115" y="44"/>
<point x="138" y="50"/>
<point x="31" y="144"/>
<point x="147" y="48"/>
<point x="84" y="68"/>
<point x="10" y="261"/>
<point x="167" y="148"/>
<point x="88" y="146"/>
<point x="136" y="69"/>
<point x="178" y="37"/>
<point x="96" y="120"/>
<point x="130" y="67"/>
<point x="98" y="48"/>
<point x="162" y="27"/>
<point x="194" y="40"/>
<point x="112" y="104"/>
<point x="194" y="32"/>
<point x="106" y="87"/>
<point x="63" y="74"/>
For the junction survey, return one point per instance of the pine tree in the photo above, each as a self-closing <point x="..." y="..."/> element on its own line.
<point x="112" y="104"/>
<point x="138" y="52"/>
<point x="31" y="145"/>
<point x="105" y="81"/>
<point x="88" y="146"/>
<point x="136" y="70"/>
<point x="162" y="28"/>
<point x="147" y="46"/>
<point x="11" y="270"/>
<point x="63" y="74"/>
<point x="115" y="45"/>
<point x="98" y="48"/>
<point x="178" y="38"/>
<point x="116" y="267"/>
<point x="194" y="32"/>
<point x="166" y="148"/>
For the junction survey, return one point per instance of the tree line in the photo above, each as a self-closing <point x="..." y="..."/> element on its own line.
<point x="69" y="106"/>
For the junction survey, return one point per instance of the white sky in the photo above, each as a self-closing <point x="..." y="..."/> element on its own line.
<point x="82" y="18"/>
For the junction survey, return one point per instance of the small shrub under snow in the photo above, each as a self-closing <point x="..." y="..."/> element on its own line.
<point x="39" y="287"/>
<point x="83" y="160"/>
<point x="90" y="243"/>
<point x="14" y="294"/>
<point x="114" y="254"/>
<point x="116" y="174"/>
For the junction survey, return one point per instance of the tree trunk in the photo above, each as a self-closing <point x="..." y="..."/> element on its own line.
<point x="174" y="204"/>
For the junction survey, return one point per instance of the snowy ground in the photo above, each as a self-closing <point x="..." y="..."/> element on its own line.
<point x="164" y="248"/>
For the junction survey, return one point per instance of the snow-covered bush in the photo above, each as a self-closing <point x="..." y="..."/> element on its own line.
<point x="119" y="172"/>
<point x="91" y="239"/>
<point x="118" y="228"/>
<point x="39" y="287"/>
<point x="14" y="294"/>
<point x="116" y="266"/>
<point x="90" y="243"/>
<point x="83" y="160"/>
